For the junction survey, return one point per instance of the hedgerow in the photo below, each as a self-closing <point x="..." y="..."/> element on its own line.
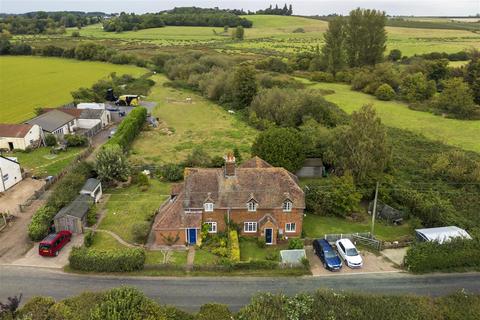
<point x="233" y="246"/>
<point x="129" y="128"/>
<point x="124" y="260"/>
<point x="459" y="254"/>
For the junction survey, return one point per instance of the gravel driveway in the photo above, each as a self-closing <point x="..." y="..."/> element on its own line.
<point x="371" y="263"/>
<point x="33" y="259"/>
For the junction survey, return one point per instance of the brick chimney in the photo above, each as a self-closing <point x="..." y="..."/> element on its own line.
<point x="229" y="165"/>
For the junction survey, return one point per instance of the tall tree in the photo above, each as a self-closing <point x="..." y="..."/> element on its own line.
<point x="244" y="86"/>
<point x="456" y="98"/>
<point x="366" y="37"/>
<point x="333" y="51"/>
<point x="361" y="147"/>
<point x="281" y="147"/>
<point x="472" y="75"/>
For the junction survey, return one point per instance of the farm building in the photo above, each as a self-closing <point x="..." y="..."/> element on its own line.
<point x="74" y="216"/>
<point x="20" y="136"/>
<point x="10" y="173"/>
<point x="55" y="122"/>
<point x="441" y="234"/>
<point x="93" y="188"/>
<point x="88" y="121"/>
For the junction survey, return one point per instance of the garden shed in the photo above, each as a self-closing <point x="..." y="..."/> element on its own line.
<point x="441" y="234"/>
<point x="74" y="216"/>
<point x="93" y="188"/>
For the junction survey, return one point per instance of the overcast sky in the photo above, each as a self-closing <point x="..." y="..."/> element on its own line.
<point x="302" y="7"/>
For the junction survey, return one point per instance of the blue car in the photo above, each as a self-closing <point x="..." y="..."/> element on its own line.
<point x="327" y="255"/>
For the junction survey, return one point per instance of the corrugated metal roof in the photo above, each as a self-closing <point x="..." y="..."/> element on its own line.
<point x="443" y="234"/>
<point x="52" y="120"/>
<point x="77" y="208"/>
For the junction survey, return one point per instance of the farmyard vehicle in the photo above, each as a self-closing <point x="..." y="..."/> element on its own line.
<point x="128" y="100"/>
<point x="349" y="253"/>
<point x="327" y="254"/>
<point x="51" y="245"/>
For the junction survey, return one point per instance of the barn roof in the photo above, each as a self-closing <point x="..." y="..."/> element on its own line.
<point x="14" y="130"/>
<point x="52" y="120"/>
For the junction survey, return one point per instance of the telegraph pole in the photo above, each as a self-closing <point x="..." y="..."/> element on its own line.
<point x="374" y="212"/>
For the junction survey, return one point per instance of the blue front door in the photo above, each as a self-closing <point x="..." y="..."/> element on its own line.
<point x="192" y="236"/>
<point x="268" y="236"/>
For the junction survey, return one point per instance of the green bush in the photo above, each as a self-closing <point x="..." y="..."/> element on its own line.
<point x="140" y="231"/>
<point x="40" y="224"/>
<point x="75" y="140"/>
<point x="295" y="243"/>
<point x="126" y="303"/>
<point x="50" y="140"/>
<point x="233" y="246"/>
<point x="321" y="76"/>
<point x="36" y="309"/>
<point x="214" y="311"/>
<point x="122" y="260"/>
<point x="171" y="172"/>
<point x="92" y="216"/>
<point x="385" y="92"/>
<point x="88" y="239"/>
<point x="458" y="254"/>
<point x="111" y="164"/>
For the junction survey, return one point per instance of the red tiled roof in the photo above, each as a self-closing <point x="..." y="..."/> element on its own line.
<point x="14" y="130"/>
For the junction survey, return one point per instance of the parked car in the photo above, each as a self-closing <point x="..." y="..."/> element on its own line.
<point x="51" y="245"/>
<point x="327" y="254"/>
<point x="349" y="253"/>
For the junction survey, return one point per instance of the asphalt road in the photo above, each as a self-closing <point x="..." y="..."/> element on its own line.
<point x="190" y="293"/>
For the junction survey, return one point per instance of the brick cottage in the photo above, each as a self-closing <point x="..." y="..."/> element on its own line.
<point x="265" y="201"/>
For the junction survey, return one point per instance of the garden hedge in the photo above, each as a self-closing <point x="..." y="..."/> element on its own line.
<point x="233" y="246"/>
<point x="129" y="128"/>
<point x="459" y="254"/>
<point x="124" y="260"/>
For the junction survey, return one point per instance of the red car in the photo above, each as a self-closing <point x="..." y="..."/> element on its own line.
<point x="51" y="245"/>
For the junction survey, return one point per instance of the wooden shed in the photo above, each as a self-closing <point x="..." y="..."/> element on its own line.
<point x="74" y="216"/>
<point x="93" y="188"/>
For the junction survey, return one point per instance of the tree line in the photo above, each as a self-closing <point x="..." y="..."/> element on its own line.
<point x="41" y="22"/>
<point x="190" y="16"/>
<point x="130" y="303"/>
<point x="285" y="11"/>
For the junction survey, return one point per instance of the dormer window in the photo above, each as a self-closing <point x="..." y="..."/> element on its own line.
<point x="287" y="206"/>
<point x="208" y="207"/>
<point x="252" y="206"/>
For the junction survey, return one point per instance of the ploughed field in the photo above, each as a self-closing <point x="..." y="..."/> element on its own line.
<point x="28" y="82"/>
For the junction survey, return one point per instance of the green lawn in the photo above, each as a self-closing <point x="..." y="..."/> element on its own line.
<point x="178" y="258"/>
<point x="42" y="163"/>
<point x="249" y="250"/>
<point x="28" y="82"/>
<point x="317" y="226"/>
<point x="460" y="133"/>
<point x="204" y="257"/>
<point x="104" y="241"/>
<point x="129" y="205"/>
<point x="200" y="123"/>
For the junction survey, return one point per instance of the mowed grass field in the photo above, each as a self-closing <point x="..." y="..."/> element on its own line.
<point x="199" y="123"/>
<point x="29" y="82"/>
<point x="461" y="133"/>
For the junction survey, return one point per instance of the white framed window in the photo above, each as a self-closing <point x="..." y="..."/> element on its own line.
<point x="287" y="206"/>
<point x="252" y="206"/>
<point x="290" y="227"/>
<point x="250" y="227"/>
<point x="212" y="227"/>
<point x="208" y="207"/>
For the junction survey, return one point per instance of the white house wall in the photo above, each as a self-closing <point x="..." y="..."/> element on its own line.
<point x="10" y="174"/>
<point x="22" y="143"/>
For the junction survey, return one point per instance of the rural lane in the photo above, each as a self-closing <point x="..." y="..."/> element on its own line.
<point x="190" y="293"/>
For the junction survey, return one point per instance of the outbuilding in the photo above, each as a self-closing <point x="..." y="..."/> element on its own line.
<point x="74" y="216"/>
<point x="20" y="136"/>
<point x="93" y="188"/>
<point x="441" y="234"/>
<point x="10" y="173"/>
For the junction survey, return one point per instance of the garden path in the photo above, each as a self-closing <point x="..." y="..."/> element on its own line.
<point x="190" y="258"/>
